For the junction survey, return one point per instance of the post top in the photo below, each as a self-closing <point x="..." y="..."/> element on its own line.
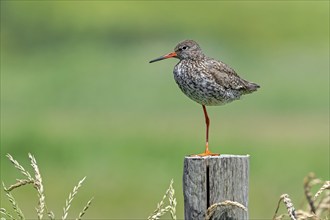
<point x="217" y="157"/>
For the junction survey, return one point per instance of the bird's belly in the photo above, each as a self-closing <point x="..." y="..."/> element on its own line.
<point x="204" y="90"/>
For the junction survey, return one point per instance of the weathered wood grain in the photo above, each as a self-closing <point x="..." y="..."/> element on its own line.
<point x="210" y="180"/>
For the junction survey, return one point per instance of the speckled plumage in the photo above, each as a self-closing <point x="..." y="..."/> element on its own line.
<point x="206" y="80"/>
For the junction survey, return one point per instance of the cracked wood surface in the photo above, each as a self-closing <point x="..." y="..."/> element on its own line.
<point x="215" y="179"/>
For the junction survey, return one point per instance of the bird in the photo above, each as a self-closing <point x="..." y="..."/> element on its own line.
<point x="205" y="80"/>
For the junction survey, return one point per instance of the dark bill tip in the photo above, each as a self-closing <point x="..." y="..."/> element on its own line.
<point x="157" y="59"/>
<point x="170" y="55"/>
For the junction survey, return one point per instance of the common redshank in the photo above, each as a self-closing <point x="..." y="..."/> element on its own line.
<point x="205" y="80"/>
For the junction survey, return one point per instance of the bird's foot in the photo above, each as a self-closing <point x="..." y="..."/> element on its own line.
<point x="205" y="154"/>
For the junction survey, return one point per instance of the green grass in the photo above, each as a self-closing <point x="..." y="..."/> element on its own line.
<point x="77" y="92"/>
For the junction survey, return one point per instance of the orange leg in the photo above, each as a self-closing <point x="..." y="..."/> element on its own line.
<point x="207" y="122"/>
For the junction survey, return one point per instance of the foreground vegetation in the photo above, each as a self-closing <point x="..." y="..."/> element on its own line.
<point x="37" y="184"/>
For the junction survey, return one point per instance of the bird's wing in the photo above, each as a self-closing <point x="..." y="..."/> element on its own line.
<point x="228" y="78"/>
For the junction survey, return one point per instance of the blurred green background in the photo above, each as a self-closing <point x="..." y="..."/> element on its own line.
<point x="77" y="92"/>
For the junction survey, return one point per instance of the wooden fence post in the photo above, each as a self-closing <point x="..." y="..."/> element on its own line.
<point x="215" y="179"/>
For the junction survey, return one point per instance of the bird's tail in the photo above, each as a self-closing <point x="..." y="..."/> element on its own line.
<point x="251" y="87"/>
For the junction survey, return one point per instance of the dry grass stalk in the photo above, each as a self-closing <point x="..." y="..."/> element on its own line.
<point x="20" y="183"/>
<point x="39" y="187"/>
<point x="318" y="204"/>
<point x="211" y="210"/>
<point x="19" y="167"/>
<point x="82" y="213"/>
<point x="5" y="213"/>
<point x="309" y="181"/>
<point x="324" y="205"/>
<point x="70" y="199"/>
<point x="325" y="186"/>
<point x="172" y="201"/>
<point x="160" y="211"/>
<point x="302" y="215"/>
<point x="13" y="203"/>
<point x="51" y="215"/>
<point x="37" y="184"/>
<point x="288" y="204"/>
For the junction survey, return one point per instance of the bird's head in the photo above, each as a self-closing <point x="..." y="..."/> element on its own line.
<point x="187" y="49"/>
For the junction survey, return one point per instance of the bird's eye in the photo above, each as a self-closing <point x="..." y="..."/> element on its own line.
<point x="183" y="48"/>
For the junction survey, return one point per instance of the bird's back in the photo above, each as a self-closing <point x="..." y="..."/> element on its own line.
<point x="228" y="78"/>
